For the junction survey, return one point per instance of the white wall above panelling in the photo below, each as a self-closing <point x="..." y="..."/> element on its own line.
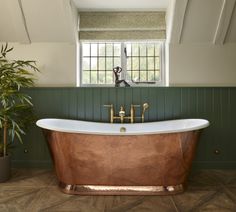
<point x="122" y="4"/>
<point x="56" y="62"/>
<point x="202" y="65"/>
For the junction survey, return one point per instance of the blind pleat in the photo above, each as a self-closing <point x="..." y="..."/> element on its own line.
<point x="122" y="25"/>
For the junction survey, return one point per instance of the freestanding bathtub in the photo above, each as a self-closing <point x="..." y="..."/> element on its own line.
<point x="122" y="159"/>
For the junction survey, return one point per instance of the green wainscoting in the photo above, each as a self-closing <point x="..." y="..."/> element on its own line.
<point x="218" y="105"/>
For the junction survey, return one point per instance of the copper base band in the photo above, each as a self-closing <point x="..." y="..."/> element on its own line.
<point x="120" y="190"/>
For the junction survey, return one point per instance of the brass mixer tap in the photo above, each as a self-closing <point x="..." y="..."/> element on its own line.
<point x="122" y="114"/>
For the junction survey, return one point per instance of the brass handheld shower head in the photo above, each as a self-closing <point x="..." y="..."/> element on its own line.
<point x="145" y="107"/>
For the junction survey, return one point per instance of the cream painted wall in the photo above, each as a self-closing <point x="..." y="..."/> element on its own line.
<point x="189" y="64"/>
<point x="202" y="65"/>
<point x="56" y="61"/>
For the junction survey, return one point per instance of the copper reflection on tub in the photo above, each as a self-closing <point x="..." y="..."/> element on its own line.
<point x="90" y="164"/>
<point x="120" y="190"/>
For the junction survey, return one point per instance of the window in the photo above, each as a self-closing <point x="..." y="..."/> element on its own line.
<point x="142" y="62"/>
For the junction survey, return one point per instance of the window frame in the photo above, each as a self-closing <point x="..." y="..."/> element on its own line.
<point x="160" y="83"/>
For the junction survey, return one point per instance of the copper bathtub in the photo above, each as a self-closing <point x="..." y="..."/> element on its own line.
<point x="147" y="159"/>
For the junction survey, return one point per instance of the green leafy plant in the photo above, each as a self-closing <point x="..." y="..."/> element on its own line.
<point x="16" y="109"/>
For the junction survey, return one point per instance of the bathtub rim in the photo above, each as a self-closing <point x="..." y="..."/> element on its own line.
<point x="119" y="125"/>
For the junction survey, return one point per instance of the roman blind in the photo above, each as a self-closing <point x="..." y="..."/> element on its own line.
<point x="122" y="25"/>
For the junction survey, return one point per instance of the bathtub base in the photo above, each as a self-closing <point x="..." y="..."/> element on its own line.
<point x="120" y="190"/>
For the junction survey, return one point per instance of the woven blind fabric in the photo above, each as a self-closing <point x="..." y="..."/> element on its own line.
<point x="122" y="25"/>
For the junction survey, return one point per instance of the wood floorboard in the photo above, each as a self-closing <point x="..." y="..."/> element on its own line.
<point x="33" y="190"/>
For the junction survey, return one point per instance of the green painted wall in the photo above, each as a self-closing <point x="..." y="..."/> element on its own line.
<point x="218" y="105"/>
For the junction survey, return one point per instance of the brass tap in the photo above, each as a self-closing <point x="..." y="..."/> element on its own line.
<point x="121" y="115"/>
<point x="132" y="113"/>
<point x="111" y="111"/>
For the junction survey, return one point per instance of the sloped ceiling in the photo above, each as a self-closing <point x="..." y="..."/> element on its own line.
<point x="99" y="5"/>
<point x="12" y="26"/>
<point x="231" y="35"/>
<point x="189" y="21"/>
<point x="28" y="21"/>
<point x="203" y="21"/>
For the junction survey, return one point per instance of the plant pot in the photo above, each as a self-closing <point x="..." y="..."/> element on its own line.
<point x="5" y="168"/>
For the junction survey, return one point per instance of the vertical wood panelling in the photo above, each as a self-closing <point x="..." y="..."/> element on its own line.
<point x="223" y="116"/>
<point x="97" y="105"/>
<point x="128" y="100"/>
<point x="184" y="101"/>
<point x="72" y="104"/>
<point x="172" y="103"/>
<point x="160" y="104"/>
<point x="209" y="94"/>
<point x="81" y="104"/>
<point x="152" y="100"/>
<point x="200" y="100"/>
<point x="202" y="146"/>
<point x="192" y="102"/>
<point x="89" y="104"/>
<point x="168" y="104"/>
<point x="232" y="128"/>
<point x="136" y="95"/>
<point x="113" y="99"/>
<point x="104" y="101"/>
<point x="215" y="104"/>
<point x="217" y="121"/>
<point x="176" y="103"/>
<point x="64" y="108"/>
<point x="120" y="98"/>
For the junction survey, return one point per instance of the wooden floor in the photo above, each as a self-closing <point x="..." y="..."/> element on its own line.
<point x="36" y="190"/>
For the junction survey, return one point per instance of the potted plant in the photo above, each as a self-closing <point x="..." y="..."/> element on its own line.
<point x="15" y="106"/>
